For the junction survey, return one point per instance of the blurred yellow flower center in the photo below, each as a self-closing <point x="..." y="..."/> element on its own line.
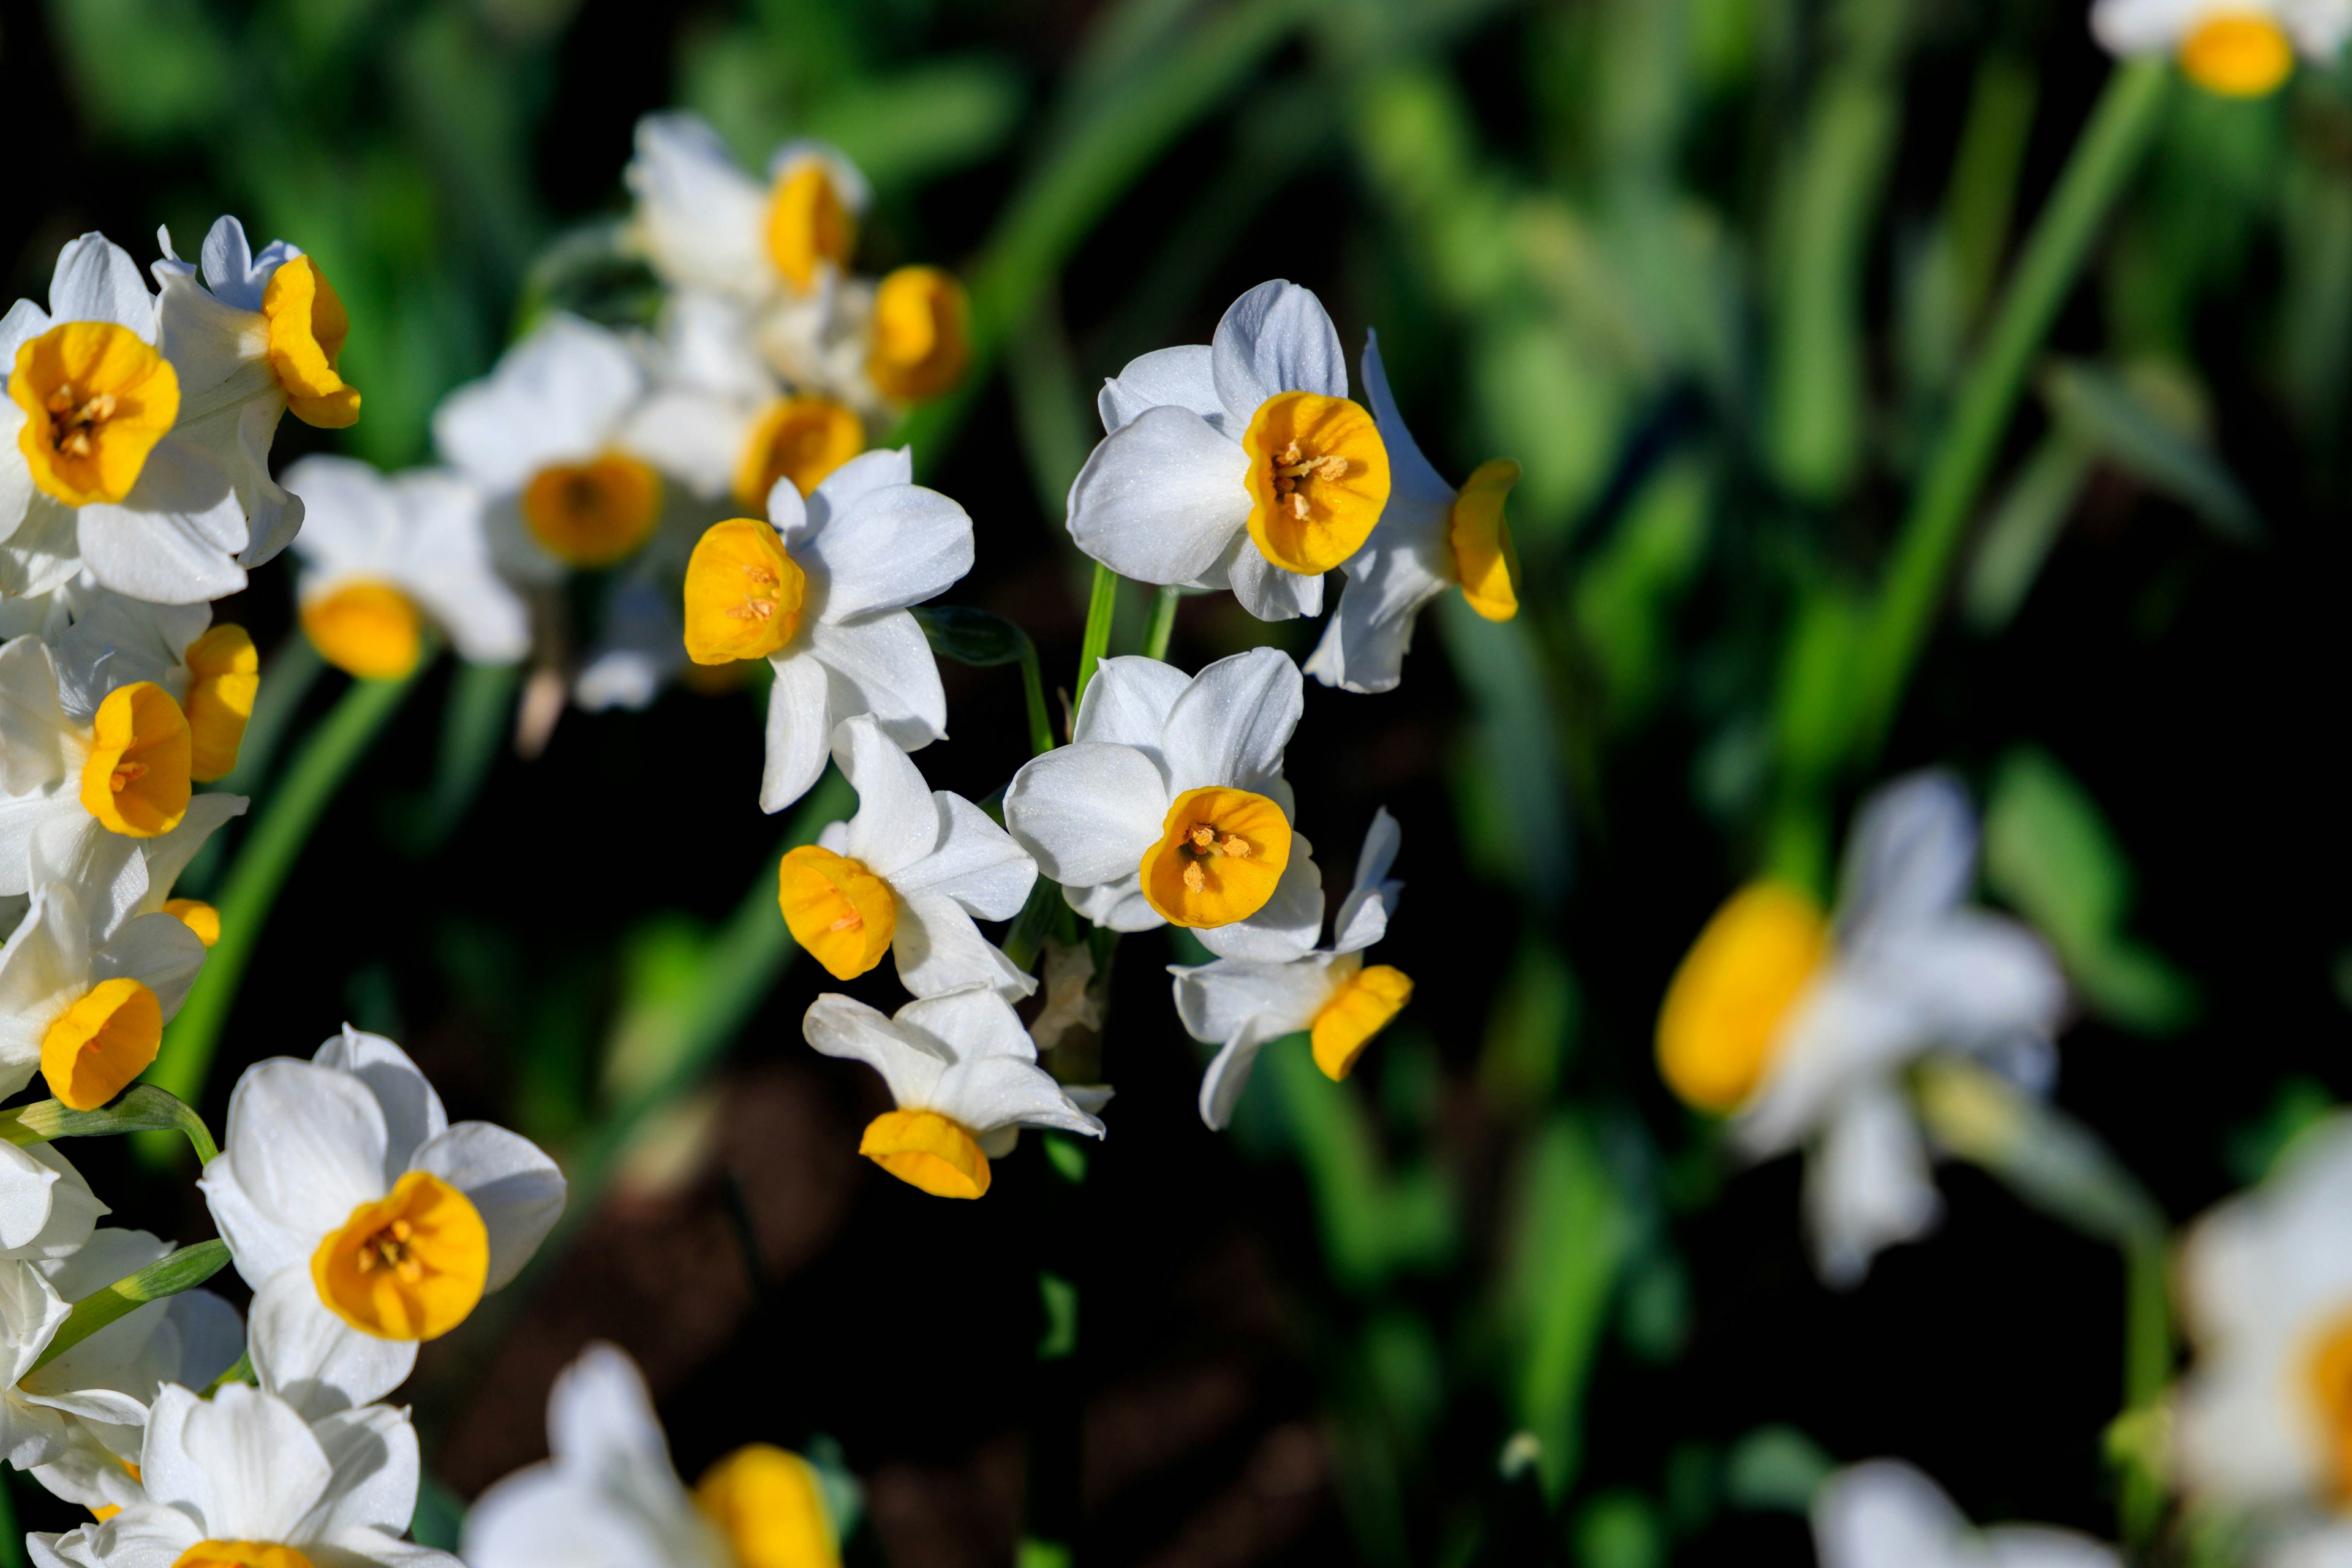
<point x="406" y="1266"/>
<point x="1317" y="480"/>
<point x="101" y="1042"/>
<point x="224" y="676"/>
<point x="1356" y="1011"/>
<point x="922" y="334"/>
<point x="2330" y="1370"/>
<point x="743" y="594"/>
<point x="240" y="1554"/>
<point x="2238" y="54"/>
<point x="593" y="513"/>
<point x="797" y="438"/>
<point x="924" y="1148"/>
<point x="1218" y="858"/>
<point x="96" y="401"/>
<point x="365" y="627"/>
<point x="1479" y="536"/>
<point x="843" y="913"/>
<point x="197" y="915"/>
<point x="307" y="325"/>
<point x="808" y="224"/>
<point x="135" y="780"/>
<point x="1721" y="1021"/>
<point x="766" y="1502"/>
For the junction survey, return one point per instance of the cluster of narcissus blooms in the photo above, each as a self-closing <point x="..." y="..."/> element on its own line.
<point x="1243" y="465"/>
<point x="2238" y="49"/>
<point x="364" y="1222"/>
<point x="590" y="449"/>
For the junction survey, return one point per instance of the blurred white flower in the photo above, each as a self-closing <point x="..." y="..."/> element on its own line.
<point x="1803" y="1035"/>
<point x="607" y="1496"/>
<point x="964" y="1074"/>
<point x="1170" y="805"/>
<point x="706" y="224"/>
<point x="1239" y="465"/>
<point x="1430" y="538"/>
<point x="2240" y="48"/>
<point x="86" y="1005"/>
<point x="364" y="1221"/>
<point x="382" y="553"/>
<point x="907" y="874"/>
<point x="1885" y="1514"/>
<point x="542" y="435"/>
<point x="821" y="591"/>
<point x="241" y="1478"/>
<point x="1239" y="1004"/>
<point x="92" y="473"/>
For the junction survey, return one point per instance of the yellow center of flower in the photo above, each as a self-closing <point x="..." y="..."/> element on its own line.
<point x="307" y="325"/>
<point x="224" y="675"/>
<point x="2238" y="54"/>
<point x="924" y="1148"/>
<point x="743" y="594"/>
<point x="365" y="627"/>
<point x="1479" y="537"/>
<point x="2330" y="1372"/>
<point x="1317" y="480"/>
<point x="808" y="224"/>
<point x="922" y="334"/>
<point x="96" y="401"/>
<point x="842" y="912"/>
<point x="1721" y="1021"/>
<point x="197" y="915"/>
<point x="593" y="514"/>
<point x="406" y="1266"/>
<point x="101" y="1042"/>
<point x="765" y="1501"/>
<point x="1356" y="1011"/>
<point x="797" y="438"/>
<point x="136" y="780"/>
<point x="240" y="1554"/>
<point x="1219" y="855"/>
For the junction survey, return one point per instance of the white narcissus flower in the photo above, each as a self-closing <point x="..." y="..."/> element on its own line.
<point x="964" y="1074"/>
<point x="241" y="1480"/>
<point x="85" y="1005"/>
<point x="1169" y="805"/>
<point x="608" y="1496"/>
<point x="1432" y="537"/>
<point x="1803" y="1034"/>
<point x="906" y="876"/>
<point x="1239" y="1004"/>
<point x="706" y="224"/>
<point x="1885" y="1514"/>
<point x="543" y="436"/>
<point x="363" y="1219"/>
<point x="120" y="880"/>
<point x="252" y="337"/>
<point x="1240" y="465"/>
<point x="2238" y="49"/>
<point x="93" y="474"/>
<point x="382" y="554"/>
<point x="820" y="591"/>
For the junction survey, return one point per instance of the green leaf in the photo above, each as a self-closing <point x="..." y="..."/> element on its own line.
<point x="925" y="122"/>
<point x="971" y="637"/>
<point x="182" y="1270"/>
<point x="1775" y="1469"/>
<point x="2158" y="446"/>
<point x="142" y="1107"/>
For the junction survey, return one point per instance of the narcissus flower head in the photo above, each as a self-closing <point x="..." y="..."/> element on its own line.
<point x="83" y="1003"/>
<point x="704" y="223"/>
<point x="2238" y="48"/>
<point x="964" y="1074"/>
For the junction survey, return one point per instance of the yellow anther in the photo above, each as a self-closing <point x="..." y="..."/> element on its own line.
<point x="1194" y="878"/>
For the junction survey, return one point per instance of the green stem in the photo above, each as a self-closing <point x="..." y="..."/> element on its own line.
<point x="1033" y="692"/>
<point x="2148" y="1369"/>
<point x="182" y="1270"/>
<point x="1164" y="623"/>
<point x="1102" y="606"/>
<point x="2097" y="172"/>
<point x="142" y="1107"/>
<point x="281" y="828"/>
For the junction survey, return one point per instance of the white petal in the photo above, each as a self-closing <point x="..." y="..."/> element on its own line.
<point x="600" y="1419"/>
<point x="158" y="950"/>
<point x="96" y="281"/>
<point x="516" y="1187"/>
<point x="1115" y="905"/>
<point x="558" y="396"/>
<point x="971" y="861"/>
<point x="845" y="490"/>
<point x="167" y="855"/>
<point x="1219" y="1001"/>
<point x="797" y="729"/>
<point x="1161" y="498"/>
<point x="937" y="949"/>
<point x="1087" y="811"/>
<point x="372" y="1453"/>
<point x="1967" y="979"/>
<point x="206" y="339"/>
<point x="142" y="1536"/>
<point x="313" y="1360"/>
<point x="1866" y="1185"/>
<point x="896" y="824"/>
<point x="1276" y="338"/>
<point x="1412" y="477"/>
<point x="891" y="547"/>
<point x="701" y="216"/>
<point x="413" y="1113"/>
<point x="1388" y="582"/>
<point x="542" y="1517"/>
<point x="1363" y="917"/>
<point x="262" y="1470"/>
<point x="1230" y="726"/>
<point x="995" y="1081"/>
<point x="32" y="725"/>
<point x="1884" y="1514"/>
<point x="31" y="1311"/>
<point x="837" y="1026"/>
<point x="1911" y="856"/>
<point x="174" y="538"/>
<point x="351" y="523"/>
<point x="1268" y="592"/>
<point x="882" y="664"/>
<point x="1128" y="702"/>
<point x="309" y="1143"/>
<point x="445" y="561"/>
<point x="74" y="1209"/>
<point x="1287" y="927"/>
<point x="25" y="1189"/>
<point x="261" y="1248"/>
<point x="1179" y="377"/>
